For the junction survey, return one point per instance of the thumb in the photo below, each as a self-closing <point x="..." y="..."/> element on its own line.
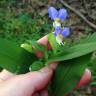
<point x="29" y="83"/>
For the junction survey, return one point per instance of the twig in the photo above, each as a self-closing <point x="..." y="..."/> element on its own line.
<point x="78" y="13"/>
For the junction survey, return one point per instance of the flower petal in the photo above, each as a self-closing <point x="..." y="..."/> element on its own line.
<point x="53" y="13"/>
<point x="57" y="31"/>
<point x="65" y="32"/>
<point x="62" y="15"/>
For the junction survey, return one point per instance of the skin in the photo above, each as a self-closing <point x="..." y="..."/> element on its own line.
<point x="32" y="83"/>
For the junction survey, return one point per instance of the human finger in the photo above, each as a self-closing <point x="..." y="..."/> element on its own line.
<point x="44" y="41"/>
<point x="5" y="75"/>
<point x="29" y="83"/>
<point x="85" y="78"/>
<point x="44" y="93"/>
<point x="36" y="94"/>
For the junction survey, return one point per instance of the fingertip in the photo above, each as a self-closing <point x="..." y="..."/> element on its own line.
<point x="43" y="40"/>
<point x="47" y="71"/>
<point x="85" y="78"/>
<point x="53" y="65"/>
<point x="5" y="75"/>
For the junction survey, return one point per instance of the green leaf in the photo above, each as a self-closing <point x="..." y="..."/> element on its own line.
<point x="36" y="46"/>
<point x="37" y="65"/>
<point x="86" y="46"/>
<point x="27" y="47"/>
<point x="52" y="40"/>
<point x="68" y="74"/>
<point x="14" y="58"/>
<point x="93" y="84"/>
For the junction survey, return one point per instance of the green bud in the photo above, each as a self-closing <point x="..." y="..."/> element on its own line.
<point x="27" y="47"/>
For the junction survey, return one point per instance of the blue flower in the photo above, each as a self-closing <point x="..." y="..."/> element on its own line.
<point x="57" y="32"/>
<point x="61" y="14"/>
<point x="53" y="13"/>
<point x="60" y="32"/>
<point x="63" y="32"/>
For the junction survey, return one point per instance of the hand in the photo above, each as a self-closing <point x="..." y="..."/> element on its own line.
<point x="32" y="83"/>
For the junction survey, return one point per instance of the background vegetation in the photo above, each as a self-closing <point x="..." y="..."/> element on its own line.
<point x="18" y="23"/>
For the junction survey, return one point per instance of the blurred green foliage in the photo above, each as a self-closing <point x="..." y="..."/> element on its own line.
<point x="18" y="24"/>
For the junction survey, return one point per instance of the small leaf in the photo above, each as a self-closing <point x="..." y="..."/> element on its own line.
<point x="68" y="74"/>
<point x="37" y="65"/>
<point x="27" y="47"/>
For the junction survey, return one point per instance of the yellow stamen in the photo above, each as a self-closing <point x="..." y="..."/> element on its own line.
<point x="57" y="20"/>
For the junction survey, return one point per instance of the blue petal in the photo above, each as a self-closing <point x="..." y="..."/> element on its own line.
<point x="57" y="28"/>
<point x="53" y="13"/>
<point x="57" y="31"/>
<point x="62" y="15"/>
<point x="65" y="32"/>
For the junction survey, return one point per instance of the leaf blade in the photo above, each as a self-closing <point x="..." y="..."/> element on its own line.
<point x="68" y="74"/>
<point x="77" y="50"/>
<point x="14" y="58"/>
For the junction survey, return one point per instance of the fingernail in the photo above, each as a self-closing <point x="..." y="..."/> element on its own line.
<point x="46" y="70"/>
<point x="85" y="78"/>
<point x="53" y="65"/>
